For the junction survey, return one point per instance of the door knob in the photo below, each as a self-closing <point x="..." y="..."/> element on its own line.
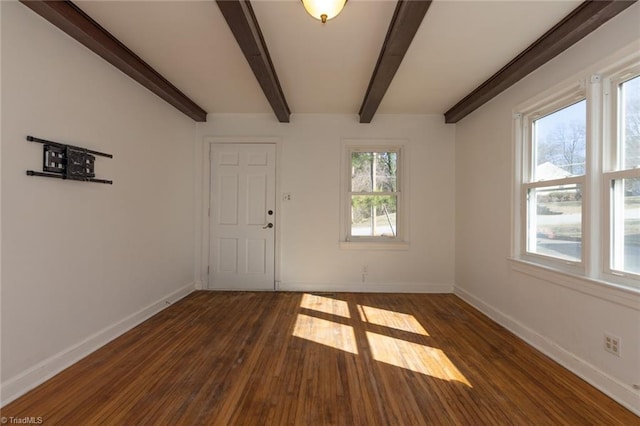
<point x="268" y="225"/>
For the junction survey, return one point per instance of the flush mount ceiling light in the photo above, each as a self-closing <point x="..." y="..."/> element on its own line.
<point x="323" y="10"/>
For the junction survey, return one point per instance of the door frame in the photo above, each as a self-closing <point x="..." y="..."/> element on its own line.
<point x="207" y="146"/>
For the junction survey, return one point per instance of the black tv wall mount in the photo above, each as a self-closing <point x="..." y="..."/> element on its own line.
<point x="62" y="161"/>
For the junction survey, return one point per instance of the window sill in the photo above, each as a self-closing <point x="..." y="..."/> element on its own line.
<point x="622" y="295"/>
<point x="374" y="245"/>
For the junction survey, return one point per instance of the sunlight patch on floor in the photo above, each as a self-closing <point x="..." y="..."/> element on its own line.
<point x="325" y="304"/>
<point x="412" y="356"/>
<point x="391" y="319"/>
<point x="328" y="333"/>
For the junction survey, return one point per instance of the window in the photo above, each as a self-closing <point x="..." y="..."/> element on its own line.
<point x="578" y="177"/>
<point x="622" y="175"/>
<point x="555" y="183"/>
<point x="372" y="193"/>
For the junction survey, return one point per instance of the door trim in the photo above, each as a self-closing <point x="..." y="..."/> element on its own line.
<point x="202" y="270"/>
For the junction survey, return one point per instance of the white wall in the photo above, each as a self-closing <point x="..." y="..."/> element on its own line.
<point x="566" y="321"/>
<point x="308" y="226"/>
<point x="84" y="261"/>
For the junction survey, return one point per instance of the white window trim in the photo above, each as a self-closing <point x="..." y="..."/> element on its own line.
<point x="400" y="241"/>
<point x="595" y="83"/>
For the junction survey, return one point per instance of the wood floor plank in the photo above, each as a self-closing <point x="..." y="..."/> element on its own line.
<point x="243" y="358"/>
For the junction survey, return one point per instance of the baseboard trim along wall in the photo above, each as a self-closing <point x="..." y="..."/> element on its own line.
<point x="366" y="287"/>
<point x="41" y="372"/>
<point x="597" y="378"/>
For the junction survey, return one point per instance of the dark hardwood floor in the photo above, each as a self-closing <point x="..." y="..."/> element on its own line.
<point x="326" y="359"/>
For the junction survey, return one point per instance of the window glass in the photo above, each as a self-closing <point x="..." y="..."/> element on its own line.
<point x="373" y="215"/>
<point x="630" y="123"/>
<point x="626" y="225"/>
<point x="559" y="143"/>
<point x="374" y="171"/>
<point x="555" y="221"/>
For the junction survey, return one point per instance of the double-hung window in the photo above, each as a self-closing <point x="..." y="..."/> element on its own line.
<point x="621" y="177"/>
<point x="578" y="177"/>
<point x="374" y="194"/>
<point x="372" y="199"/>
<point x="555" y="180"/>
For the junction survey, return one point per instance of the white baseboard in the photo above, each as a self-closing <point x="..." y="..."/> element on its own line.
<point x="611" y="386"/>
<point x="367" y="287"/>
<point x="38" y="374"/>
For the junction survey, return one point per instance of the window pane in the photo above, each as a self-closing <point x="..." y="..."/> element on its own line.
<point x="559" y="143"/>
<point x="373" y="215"/>
<point x="368" y="168"/>
<point x="555" y="222"/>
<point x="361" y="171"/>
<point x="626" y="225"/>
<point x="630" y="123"/>
<point x="386" y="168"/>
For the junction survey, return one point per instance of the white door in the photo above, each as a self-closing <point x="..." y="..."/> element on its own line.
<point x="242" y="217"/>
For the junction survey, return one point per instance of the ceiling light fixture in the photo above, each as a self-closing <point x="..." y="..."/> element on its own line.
<point x="323" y="10"/>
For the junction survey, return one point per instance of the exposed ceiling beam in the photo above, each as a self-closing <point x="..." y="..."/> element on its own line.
<point x="73" y="21"/>
<point x="244" y="25"/>
<point x="575" y="26"/>
<point x="403" y="27"/>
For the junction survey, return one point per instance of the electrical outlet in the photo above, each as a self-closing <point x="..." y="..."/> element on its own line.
<point x="286" y="196"/>
<point x="612" y="344"/>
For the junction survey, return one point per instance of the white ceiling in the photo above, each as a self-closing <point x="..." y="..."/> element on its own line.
<point x="326" y="68"/>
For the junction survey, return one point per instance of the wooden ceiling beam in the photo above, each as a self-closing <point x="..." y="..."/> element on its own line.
<point x="73" y="21"/>
<point x="403" y="27"/>
<point x="575" y="26"/>
<point x="244" y="25"/>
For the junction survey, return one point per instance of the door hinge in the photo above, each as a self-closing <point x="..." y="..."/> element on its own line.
<point x="208" y="269"/>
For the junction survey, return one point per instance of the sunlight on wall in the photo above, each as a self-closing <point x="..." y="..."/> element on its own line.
<point x="396" y="320"/>
<point x="325" y="304"/>
<point x="329" y="333"/>
<point x="412" y="356"/>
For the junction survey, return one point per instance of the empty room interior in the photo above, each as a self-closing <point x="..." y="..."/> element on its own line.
<point x="336" y="212"/>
